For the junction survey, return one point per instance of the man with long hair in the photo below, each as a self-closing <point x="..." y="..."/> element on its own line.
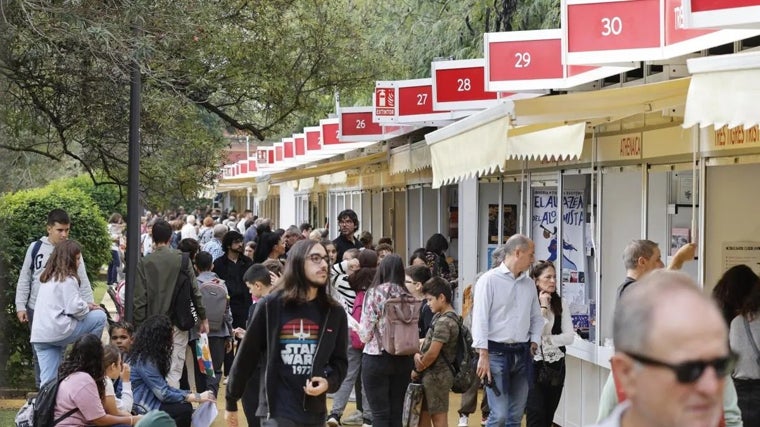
<point x="302" y="332"/>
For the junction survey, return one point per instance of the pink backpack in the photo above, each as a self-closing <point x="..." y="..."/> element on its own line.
<point x="356" y="313"/>
<point x="400" y="334"/>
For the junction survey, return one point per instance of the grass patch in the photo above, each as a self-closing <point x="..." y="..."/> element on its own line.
<point x="98" y="292"/>
<point x="8" y="417"/>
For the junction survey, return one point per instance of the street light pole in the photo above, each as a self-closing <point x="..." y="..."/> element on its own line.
<point x="133" y="183"/>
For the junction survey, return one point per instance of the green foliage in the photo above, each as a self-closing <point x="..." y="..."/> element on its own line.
<point x="23" y="216"/>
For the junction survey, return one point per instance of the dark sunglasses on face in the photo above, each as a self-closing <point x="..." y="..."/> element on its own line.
<point x="690" y="371"/>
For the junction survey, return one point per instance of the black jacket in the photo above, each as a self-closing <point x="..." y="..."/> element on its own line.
<point x="330" y="361"/>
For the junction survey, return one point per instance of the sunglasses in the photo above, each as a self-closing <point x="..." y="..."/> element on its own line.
<point x="690" y="371"/>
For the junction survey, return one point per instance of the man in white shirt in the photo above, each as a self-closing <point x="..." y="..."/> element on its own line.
<point x="671" y="355"/>
<point x="506" y="330"/>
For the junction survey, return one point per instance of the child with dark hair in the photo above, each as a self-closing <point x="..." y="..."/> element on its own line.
<point x="258" y="278"/>
<point x="121" y="335"/>
<point x="116" y="369"/>
<point x="441" y="340"/>
<point x="216" y="301"/>
<point x="416" y="275"/>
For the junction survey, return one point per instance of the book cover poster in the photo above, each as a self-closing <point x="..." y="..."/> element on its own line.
<point x="679" y="236"/>
<point x="544" y="224"/>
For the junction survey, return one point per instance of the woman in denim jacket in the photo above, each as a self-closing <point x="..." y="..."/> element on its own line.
<point x="150" y="358"/>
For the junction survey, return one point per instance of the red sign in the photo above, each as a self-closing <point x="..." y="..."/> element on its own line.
<point x="330" y="131"/>
<point x="278" y="152"/>
<point x="525" y="60"/>
<point x="313" y="139"/>
<point x="415" y="100"/>
<point x="385" y="101"/>
<point x="288" y="148"/>
<point x="358" y="124"/>
<point x="299" y="141"/>
<point x="532" y="60"/>
<point x="460" y="85"/>
<point x="722" y="13"/>
<point x="609" y="31"/>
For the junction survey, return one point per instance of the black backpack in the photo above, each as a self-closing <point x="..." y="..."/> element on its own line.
<point x="182" y="310"/>
<point x="43" y="407"/>
<point x="462" y="367"/>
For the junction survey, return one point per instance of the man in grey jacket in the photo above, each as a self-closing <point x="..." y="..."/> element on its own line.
<point x="35" y="260"/>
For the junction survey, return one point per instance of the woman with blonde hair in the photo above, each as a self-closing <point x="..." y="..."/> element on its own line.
<point x="61" y="315"/>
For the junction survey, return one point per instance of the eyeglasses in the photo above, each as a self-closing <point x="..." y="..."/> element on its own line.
<point x="690" y="371"/>
<point x="346" y="222"/>
<point x="316" y="258"/>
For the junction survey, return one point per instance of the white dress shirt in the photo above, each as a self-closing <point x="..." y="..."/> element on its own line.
<point x="505" y="309"/>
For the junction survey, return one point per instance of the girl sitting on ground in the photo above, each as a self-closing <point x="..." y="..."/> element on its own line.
<point x="116" y="369"/>
<point x="82" y="390"/>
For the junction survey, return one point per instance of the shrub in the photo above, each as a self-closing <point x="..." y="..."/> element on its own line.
<point x="22" y="220"/>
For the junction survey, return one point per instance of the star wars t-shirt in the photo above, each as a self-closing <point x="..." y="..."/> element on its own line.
<point x="299" y="337"/>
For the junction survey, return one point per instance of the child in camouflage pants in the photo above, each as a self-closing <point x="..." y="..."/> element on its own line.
<point x="441" y="339"/>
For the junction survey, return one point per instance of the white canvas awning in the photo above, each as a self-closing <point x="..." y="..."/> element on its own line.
<point x="724" y="90"/>
<point x="472" y="146"/>
<point x="550" y="126"/>
<point x="410" y="158"/>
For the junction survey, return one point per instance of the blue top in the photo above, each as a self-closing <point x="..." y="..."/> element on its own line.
<point x="150" y="388"/>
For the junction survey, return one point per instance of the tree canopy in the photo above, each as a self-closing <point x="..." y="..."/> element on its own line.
<point x="264" y="68"/>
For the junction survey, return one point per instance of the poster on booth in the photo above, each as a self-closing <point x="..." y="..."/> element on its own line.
<point x="545" y="227"/>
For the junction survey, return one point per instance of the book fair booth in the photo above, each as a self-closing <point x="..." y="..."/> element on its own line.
<point x="610" y="129"/>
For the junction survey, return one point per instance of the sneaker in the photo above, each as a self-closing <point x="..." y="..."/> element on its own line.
<point x="225" y="381"/>
<point x="463" y="421"/>
<point x="484" y="420"/>
<point x="354" y="419"/>
<point x="366" y="423"/>
<point x="333" y="420"/>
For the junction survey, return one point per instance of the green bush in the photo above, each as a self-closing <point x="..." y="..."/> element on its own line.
<point x="22" y="220"/>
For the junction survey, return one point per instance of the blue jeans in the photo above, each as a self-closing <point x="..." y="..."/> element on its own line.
<point x="49" y="353"/>
<point x="113" y="267"/>
<point x="510" y="370"/>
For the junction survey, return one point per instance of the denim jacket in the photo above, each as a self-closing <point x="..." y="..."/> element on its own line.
<point x="150" y="388"/>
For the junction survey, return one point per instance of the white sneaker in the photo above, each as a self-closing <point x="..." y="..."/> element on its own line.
<point x="463" y="421"/>
<point x="484" y="421"/>
<point x="333" y="421"/>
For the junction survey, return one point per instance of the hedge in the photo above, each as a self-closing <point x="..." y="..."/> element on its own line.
<point x="22" y="220"/>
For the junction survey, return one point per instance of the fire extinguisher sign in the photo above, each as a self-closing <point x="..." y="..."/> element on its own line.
<point x="385" y="101"/>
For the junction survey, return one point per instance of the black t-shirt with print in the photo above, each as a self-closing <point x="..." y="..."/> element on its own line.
<point x="299" y="337"/>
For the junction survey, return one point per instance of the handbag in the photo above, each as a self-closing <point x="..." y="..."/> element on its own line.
<point x="410" y="416"/>
<point x="549" y="374"/>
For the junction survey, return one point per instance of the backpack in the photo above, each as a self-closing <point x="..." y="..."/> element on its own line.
<point x="182" y="309"/>
<point x="400" y="336"/>
<point x="462" y="368"/>
<point x="39" y="410"/>
<point x="215" y="300"/>
<point x="356" y="313"/>
<point x="35" y="251"/>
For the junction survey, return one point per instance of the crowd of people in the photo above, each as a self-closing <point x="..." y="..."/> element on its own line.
<point x="287" y="316"/>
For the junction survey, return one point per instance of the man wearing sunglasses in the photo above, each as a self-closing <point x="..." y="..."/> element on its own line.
<point x="671" y="355"/>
